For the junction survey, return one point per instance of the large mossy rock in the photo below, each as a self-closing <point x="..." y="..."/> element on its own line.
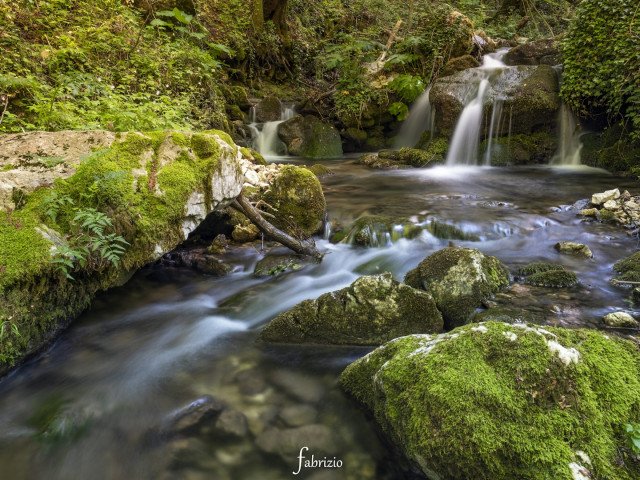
<point x="309" y="137"/>
<point x="371" y="311"/>
<point x="500" y="402"/>
<point x="628" y="269"/>
<point x="154" y="188"/>
<point x="521" y="149"/>
<point x="297" y="201"/>
<point x="530" y="96"/>
<point x="459" y="279"/>
<point x="545" y="52"/>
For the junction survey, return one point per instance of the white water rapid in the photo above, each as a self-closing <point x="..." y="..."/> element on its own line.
<point x="463" y="150"/>
<point x="265" y="136"/>
<point x="569" y="146"/>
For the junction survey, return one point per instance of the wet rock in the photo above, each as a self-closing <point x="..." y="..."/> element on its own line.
<point x="600" y="198"/>
<point x="372" y="310"/>
<point x="298" y="385"/>
<point x="509" y="314"/>
<point x="245" y="233"/>
<point x="273" y="265"/>
<point x="459" y="279"/>
<point x="197" y="259"/>
<point x="574" y="248"/>
<point x="553" y="279"/>
<point x="589" y="212"/>
<point x="379" y="230"/>
<point x="620" y="320"/>
<point x="232" y="423"/>
<point x="451" y="232"/>
<point x="532" y="97"/>
<point x="193" y="415"/>
<point x="268" y="110"/>
<point x="538" y="52"/>
<point x="297" y="201"/>
<point x="310" y="137"/>
<point x="433" y="395"/>
<point x="298" y="415"/>
<point x="251" y="381"/>
<point x="219" y="245"/>
<point x="320" y="170"/>
<point x="287" y="442"/>
<point x="458" y="64"/>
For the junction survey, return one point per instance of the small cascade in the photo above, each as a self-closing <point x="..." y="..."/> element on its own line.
<point x="494" y="129"/>
<point x="421" y="119"/>
<point x="569" y="145"/>
<point x="463" y="149"/>
<point x="265" y="136"/>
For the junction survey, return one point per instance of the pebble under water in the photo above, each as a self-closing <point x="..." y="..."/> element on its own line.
<point x="106" y="401"/>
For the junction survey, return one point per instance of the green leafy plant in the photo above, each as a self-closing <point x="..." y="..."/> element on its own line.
<point x="633" y="433"/>
<point x="399" y="110"/>
<point x="407" y="87"/>
<point x="93" y="245"/>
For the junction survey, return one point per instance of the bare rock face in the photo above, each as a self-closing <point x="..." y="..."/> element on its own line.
<point x="35" y="159"/>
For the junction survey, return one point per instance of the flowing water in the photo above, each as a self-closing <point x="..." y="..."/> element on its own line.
<point x="463" y="149"/>
<point x="104" y="391"/>
<point x="265" y="135"/>
<point x="570" y="146"/>
<point x="421" y="119"/>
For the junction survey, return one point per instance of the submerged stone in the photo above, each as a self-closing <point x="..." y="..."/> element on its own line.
<point x="574" y="248"/>
<point x="371" y="311"/>
<point x="498" y="401"/>
<point x="459" y="279"/>
<point x="539" y="267"/>
<point x="379" y="230"/>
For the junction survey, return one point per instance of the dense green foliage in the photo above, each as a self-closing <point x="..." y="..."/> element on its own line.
<point x="77" y="64"/>
<point x="602" y="61"/>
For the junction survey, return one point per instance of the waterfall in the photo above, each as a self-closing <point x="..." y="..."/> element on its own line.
<point x="569" y="146"/>
<point x="494" y="129"/>
<point x="265" y="136"/>
<point x="463" y="149"/>
<point x="421" y="119"/>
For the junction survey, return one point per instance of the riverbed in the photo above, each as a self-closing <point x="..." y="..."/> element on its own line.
<point x="96" y="403"/>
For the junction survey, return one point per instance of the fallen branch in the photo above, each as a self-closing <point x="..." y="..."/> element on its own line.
<point x="303" y="247"/>
<point x="378" y="65"/>
<point x="624" y="282"/>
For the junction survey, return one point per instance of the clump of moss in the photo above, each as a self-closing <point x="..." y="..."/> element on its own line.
<point x="538" y="267"/>
<point x="628" y="269"/>
<point x="447" y="231"/>
<point x="320" y="170"/>
<point x="497" y="401"/>
<point x="553" y="279"/>
<point x="298" y="202"/>
<point x="459" y="279"/>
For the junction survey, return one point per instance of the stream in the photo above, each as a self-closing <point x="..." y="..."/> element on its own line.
<point x="104" y="390"/>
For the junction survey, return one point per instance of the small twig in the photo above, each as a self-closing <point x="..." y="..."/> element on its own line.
<point x="5" y="99"/>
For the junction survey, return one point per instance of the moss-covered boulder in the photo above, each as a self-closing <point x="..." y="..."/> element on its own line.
<point x="99" y="217"/>
<point x="538" y="267"/>
<point x="553" y="279"/>
<point x="269" y="109"/>
<point x="574" y="248"/>
<point x="628" y="269"/>
<point x="530" y="96"/>
<point x="498" y="402"/>
<point x="521" y="149"/>
<point x="457" y="64"/>
<point x="545" y="51"/>
<point x="296" y="200"/>
<point x="309" y="137"/>
<point x="371" y="311"/>
<point x="459" y="279"/>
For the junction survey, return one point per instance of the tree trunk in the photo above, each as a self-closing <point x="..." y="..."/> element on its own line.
<point x="303" y="247"/>
<point x="276" y="11"/>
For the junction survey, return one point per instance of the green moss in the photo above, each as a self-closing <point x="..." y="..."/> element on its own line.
<point x="628" y="269"/>
<point x="253" y="156"/>
<point x="447" y="231"/>
<point x="296" y="195"/>
<point x="538" y="267"/>
<point x="371" y="311"/>
<point x="553" y="279"/>
<point x="144" y="198"/>
<point x="494" y="402"/>
<point x="459" y="280"/>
